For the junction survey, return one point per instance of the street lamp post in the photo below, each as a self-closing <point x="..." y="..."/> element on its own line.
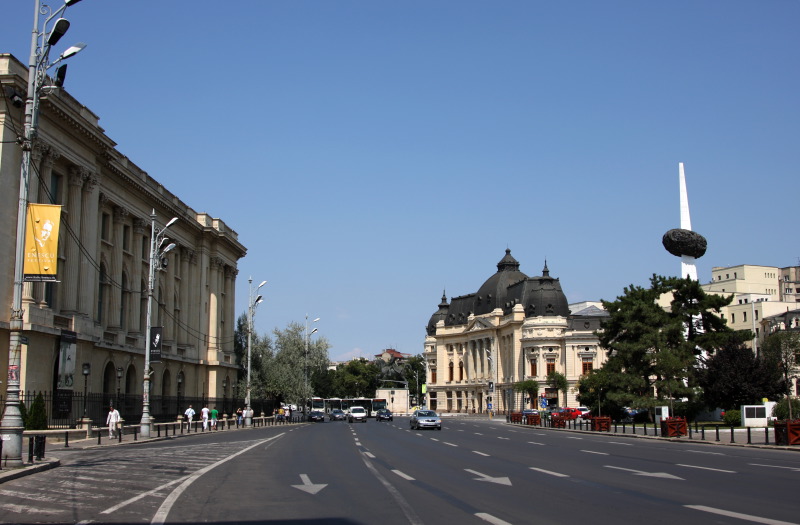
<point x="156" y="262"/>
<point x="42" y="38"/>
<point x="306" y="394"/>
<point x="251" y="312"/>
<point x="119" y="378"/>
<point x="87" y="368"/>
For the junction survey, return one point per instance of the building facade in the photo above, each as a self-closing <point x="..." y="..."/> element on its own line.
<point x="100" y="296"/>
<point x="513" y="329"/>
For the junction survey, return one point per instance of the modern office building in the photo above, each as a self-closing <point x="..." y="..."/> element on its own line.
<point x="512" y="329"/>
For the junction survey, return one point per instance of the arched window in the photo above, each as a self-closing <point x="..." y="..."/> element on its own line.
<point x="451" y="372"/>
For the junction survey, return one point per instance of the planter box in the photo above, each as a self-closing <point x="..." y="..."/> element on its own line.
<point x="558" y="422"/>
<point x="601" y="424"/>
<point x="534" y="419"/>
<point x="673" y="427"/>
<point x="787" y="432"/>
<point x="515" y="417"/>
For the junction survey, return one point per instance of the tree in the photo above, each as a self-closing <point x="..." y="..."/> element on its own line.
<point x="596" y="391"/>
<point x="37" y="417"/>
<point x="655" y="352"/>
<point x="558" y="381"/>
<point x="782" y="349"/>
<point x="530" y="388"/>
<point x="735" y="376"/>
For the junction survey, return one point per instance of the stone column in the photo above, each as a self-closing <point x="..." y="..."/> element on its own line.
<point x="72" y="253"/>
<point x="169" y="291"/>
<point x="140" y="226"/>
<point x="185" y="258"/>
<point x="90" y="242"/>
<point x="115" y="272"/>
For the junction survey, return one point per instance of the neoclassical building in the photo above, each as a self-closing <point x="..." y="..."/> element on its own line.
<point x="100" y="297"/>
<point x="513" y="329"/>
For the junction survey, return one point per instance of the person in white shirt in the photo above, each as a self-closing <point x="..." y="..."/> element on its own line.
<point x="204" y="414"/>
<point x="189" y="415"/>
<point x="112" y="420"/>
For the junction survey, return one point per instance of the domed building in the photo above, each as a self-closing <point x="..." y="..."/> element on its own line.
<point x="513" y="329"/>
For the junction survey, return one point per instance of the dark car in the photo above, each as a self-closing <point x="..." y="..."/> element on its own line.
<point x="383" y="414"/>
<point x="316" y="415"/>
<point x="337" y="415"/>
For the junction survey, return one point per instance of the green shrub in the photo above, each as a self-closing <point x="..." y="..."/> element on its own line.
<point x="781" y="410"/>
<point x="732" y="418"/>
<point x="37" y="418"/>
<point x="23" y="413"/>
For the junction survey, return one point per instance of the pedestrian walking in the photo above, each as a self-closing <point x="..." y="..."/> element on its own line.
<point x="112" y="420"/>
<point x="239" y="416"/>
<point x="214" y="417"/>
<point x="204" y="412"/>
<point x="189" y="415"/>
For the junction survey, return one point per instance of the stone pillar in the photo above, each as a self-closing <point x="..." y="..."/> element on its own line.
<point x="89" y="241"/>
<point x="115" y="272"/>
<point x="169" y="292"/>
<point x="72" y="253"/>
<point x="140" y="226"/>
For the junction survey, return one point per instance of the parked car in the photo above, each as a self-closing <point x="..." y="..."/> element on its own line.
<point x="384" y="414"/>
<point x="357" y="414"/>
<point x="571" y="413"/>
<point x="585" y="412"/>
<point x="553" y="411"/>
<point x="530" y="412"/>
<point x="316" y="416"/>
<point x="425" y="419"/>
<point x="337" y="415"/>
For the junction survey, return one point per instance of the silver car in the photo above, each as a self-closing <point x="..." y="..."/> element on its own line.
<point x="425" y="419"/>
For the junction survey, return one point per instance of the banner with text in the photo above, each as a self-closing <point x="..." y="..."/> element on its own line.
<point x="41" y="242"/>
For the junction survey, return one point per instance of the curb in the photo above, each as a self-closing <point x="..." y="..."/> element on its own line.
<point x="41" y="466"/>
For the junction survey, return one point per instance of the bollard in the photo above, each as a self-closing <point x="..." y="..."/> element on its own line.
<point x="30" y="449"/>
<point x="119" y="434"/>
<point x="717" y="428"/>
<point x="135" y="432"/>
<point x="158" y="432"/>
<point x="766" y="435"/>
<point x="748" y="436"/>
<point x="732" y="440"/>
<point x="99" y="435"/>
<point x="66" y="439"/>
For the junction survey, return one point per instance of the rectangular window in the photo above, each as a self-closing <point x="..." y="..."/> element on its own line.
<point x="433" y="376"/>
<point x="105" y="222"/>
<point x="533" y="368"/>
<point x="587" y="366"/>
<point x="551" y="366"/>
<point x="755" y="312"/>
<point x="733" y="318"/>
<point x="126" y="238"/>
<point x="744" y="317"/>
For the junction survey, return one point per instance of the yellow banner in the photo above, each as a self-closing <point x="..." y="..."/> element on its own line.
<point x="41" y="242"/>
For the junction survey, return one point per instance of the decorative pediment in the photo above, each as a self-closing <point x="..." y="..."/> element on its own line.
<point x="477" y="324"/>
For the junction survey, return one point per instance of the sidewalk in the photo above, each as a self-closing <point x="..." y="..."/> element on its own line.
<point x="53" y="446"/>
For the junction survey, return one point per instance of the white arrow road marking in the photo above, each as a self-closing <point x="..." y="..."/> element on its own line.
<point x="748" y="517"/>
<point x="484" y="477"/>
<point x="550" y="472"/>
<point x="707" y="468"/>
<point x="309" y="487"/>
<point x="649" y="474"/>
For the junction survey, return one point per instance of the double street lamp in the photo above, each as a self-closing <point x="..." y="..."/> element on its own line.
<point x="42" y="39"/>
<point x="253" y="301"/>
<point x="306" y="393"/>
<point x="156" y="262"/>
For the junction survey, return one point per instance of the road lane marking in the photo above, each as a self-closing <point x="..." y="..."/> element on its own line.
<point x="706" y="452"/>
<point x="307" y="486"/>
<point x="491" y="519"/>
<point x="573" y="437"/>
<point x="450" y="444"/>
<point x="406" y="507"/>
<point x="160" y="516"/>
<point x="619" y="443"/>
<point x="403" y="475"/>
<point x="737" y="515"/>
<point x="434" y="439"/>
<point x="550" y="472"/>
<point x="480" y="453"/>
<point x="478" y="434"/>
<point x="535" y="443"/>
<point x="774" y="466"/>
<point x="707" y="468"/>
<point x="501" y="437"/>
<point x="595" y="452"/>
<point x="369" y="455"/>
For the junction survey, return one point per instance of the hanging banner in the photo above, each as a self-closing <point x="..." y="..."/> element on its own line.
<point x="41" y="242"/>
<point x="67" y="353"/>
<point x="155" y="344"/>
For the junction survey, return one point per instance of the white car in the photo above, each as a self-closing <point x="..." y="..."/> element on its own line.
<point x="357" y="414"/>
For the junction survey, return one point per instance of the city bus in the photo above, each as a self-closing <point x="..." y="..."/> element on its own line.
<point x="317" y="403"/>
<point x="377" y="404"/>
<point x="332" y="404"/>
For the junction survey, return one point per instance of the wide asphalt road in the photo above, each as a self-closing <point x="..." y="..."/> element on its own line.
<point x="473" y="471"/>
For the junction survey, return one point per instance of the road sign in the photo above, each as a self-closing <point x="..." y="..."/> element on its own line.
<point x="489" y="406"/>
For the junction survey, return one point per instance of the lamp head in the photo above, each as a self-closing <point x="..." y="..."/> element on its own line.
<point x="74" y="50"/>
<point x="87" y="368"/>
<point x="59" y="29"/>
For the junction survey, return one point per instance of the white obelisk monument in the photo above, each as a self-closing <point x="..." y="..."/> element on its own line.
<point x="688" y="266"/>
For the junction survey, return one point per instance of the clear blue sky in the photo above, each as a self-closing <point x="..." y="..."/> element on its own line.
<point x="372" y="154"/>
